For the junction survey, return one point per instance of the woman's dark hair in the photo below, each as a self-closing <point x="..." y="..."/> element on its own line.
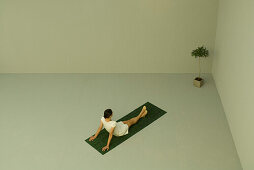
<point x="107" y="113"/>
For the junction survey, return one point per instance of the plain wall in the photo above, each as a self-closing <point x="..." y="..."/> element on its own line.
<point x="155" y="36"/>
<point x="233" y="71"/>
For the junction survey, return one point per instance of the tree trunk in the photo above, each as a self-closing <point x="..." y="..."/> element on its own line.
<point x="199" y="67"/>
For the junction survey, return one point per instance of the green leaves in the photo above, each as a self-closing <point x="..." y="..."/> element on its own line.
<point x="200" y="52"/>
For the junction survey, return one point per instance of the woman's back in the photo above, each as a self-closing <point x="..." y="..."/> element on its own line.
<point x="120" y="127"/>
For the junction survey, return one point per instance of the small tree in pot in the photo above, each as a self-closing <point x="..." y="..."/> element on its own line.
<point x="199" y="52"/>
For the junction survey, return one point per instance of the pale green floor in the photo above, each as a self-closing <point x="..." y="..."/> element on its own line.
<point x="44" y="119"/>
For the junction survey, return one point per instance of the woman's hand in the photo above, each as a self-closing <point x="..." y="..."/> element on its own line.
<point x="92" y="138"/>
<point x="105" y="147"/>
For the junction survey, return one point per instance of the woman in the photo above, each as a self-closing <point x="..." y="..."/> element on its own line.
<point x="116" y="128"/>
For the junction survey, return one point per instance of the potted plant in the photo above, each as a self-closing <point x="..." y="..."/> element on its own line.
<point x="199" y="52"/>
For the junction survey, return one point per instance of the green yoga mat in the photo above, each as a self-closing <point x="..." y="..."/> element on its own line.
<point x="153" y="114"/>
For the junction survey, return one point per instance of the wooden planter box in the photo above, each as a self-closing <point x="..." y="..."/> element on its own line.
<point x="198" y="82"/>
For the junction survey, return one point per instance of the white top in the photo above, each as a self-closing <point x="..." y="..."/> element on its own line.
<point x="120" y="128"/>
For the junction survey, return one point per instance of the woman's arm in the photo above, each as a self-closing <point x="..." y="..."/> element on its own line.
<point x="109" y="139"/>
<point x="97" y="133"/>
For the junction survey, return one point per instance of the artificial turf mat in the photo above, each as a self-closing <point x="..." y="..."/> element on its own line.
<point x="153" y="114"/>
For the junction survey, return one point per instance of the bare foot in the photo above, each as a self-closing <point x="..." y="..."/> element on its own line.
<point x="144" y="114"/>
<point x="143" y="109"/>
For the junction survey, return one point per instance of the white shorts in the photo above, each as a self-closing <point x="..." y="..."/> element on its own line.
<point x="121" y="129"/>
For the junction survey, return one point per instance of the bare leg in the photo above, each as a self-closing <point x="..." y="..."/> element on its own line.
<point x="135" y="119"/>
